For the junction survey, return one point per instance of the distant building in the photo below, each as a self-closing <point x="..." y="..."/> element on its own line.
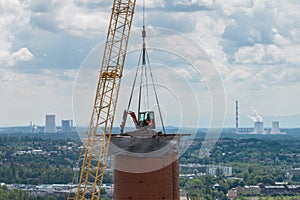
<point x="233" y="193"/>
<point x="66" y="125"/>
<point x="294" y="189"/>
<point x="251" y="190"/>
<point x="274" y="190"/>
<point x="50" y="126"/>
<point x="225" y="170"/>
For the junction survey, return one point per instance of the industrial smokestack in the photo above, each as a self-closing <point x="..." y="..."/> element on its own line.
<point x="237" y="116"/>
<point x="146" y="167"/>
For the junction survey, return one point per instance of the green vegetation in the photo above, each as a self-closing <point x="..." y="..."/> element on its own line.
<point x="12" y="194"/>
<point x="253" y="161"/>
<point x="269" y="198"/>
<point x="35" y="161"/>
<point x="25" y="160"/>
<point x="6" y="194"/>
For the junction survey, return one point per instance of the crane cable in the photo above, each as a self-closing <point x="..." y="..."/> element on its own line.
<point x="156" y="97"/>
<point x="145" y="59"/>
<point x="134" y="82"/>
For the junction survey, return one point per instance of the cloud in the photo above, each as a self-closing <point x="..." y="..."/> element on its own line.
<point x="177" y="22"/>
<point x="45" y="21"/>
<point x="13" y="18"/>
<point x="287" y="76"/>
<point x="22" y="54"/>
<point x="85" y="23"/>
<point x="10" y="59"/>
<point x="203" y="3"/>
<point x="259" y="54"/>
<point x="152" y="4"/>
<point x="70" y="74"/>
<point x="43" y="7"/>
<point x="93" y="4"/>
<point x="39" y="94"/>
<point x="264" y="22"/>
<point x="239" y="74"/>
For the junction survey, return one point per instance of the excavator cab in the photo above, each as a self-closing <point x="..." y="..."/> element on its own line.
<point x="146" y="119"/>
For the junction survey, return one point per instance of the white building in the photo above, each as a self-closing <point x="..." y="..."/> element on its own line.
<point x="227" y="171"/>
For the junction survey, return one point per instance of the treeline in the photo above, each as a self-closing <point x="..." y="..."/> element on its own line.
<point x="53" y="165"/>
<point x="6" y="194"/>
<point x="265" y="152"/>
<point x="35" y="173"/>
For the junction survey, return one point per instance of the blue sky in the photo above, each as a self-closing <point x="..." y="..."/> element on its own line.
<point x="254" y="45"/>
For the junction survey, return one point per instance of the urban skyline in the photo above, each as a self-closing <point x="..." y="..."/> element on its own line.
<point x="244" y="122"/>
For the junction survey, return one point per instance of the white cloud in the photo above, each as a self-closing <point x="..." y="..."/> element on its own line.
<point x="287" y="75"/>
<point x="259" y="54"/>
<point x="33" y="95"/>
<point x="292" y="54"/>
<point x="194" y="2"/>
<point x="152" y="3"/>
<point x="22" y="54"/>
<point x="239" y="74"/>
<point x="13" y="18"/>
<point x="280" y="39"/>
<point x="82" y="21"/>
<point x="70" y="73"/>
<point x="9" y="59"/>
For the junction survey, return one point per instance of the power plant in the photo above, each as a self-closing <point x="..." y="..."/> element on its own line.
<point x="258" y="124"/>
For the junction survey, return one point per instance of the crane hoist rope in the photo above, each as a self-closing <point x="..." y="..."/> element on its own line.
<point x="145" y="74"/>
<point x="93" y="161"/>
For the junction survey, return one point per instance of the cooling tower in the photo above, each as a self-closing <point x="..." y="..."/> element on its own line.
<point x="275" y="128"/>
<point x="146" y="168"/>
<point x="50" y="124"/>
<point x="258" y="127"/>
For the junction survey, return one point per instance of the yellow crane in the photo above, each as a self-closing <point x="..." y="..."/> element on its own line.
<point x="101" y="123"/>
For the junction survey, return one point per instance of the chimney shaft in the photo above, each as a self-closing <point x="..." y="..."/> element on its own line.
<point x="237" y="115"/>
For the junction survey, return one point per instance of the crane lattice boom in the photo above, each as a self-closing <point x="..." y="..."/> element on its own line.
<point x="101" y="123"/>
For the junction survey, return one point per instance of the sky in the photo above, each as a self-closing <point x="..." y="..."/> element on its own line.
<point x="205" y="53"/>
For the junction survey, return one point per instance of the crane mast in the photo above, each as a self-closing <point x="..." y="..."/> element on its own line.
<point x="101" y="123"/>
